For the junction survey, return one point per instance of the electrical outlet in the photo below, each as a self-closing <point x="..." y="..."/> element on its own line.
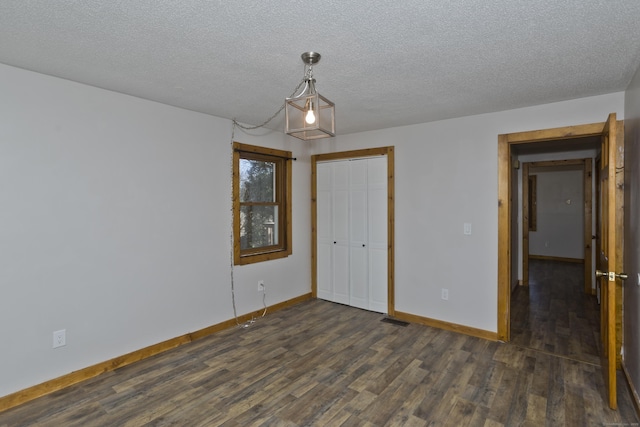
<point x="260" y="285"/>
<point x="445" y="294"/>
<point x="59" y="338"/>
<point x="467" y="228"/>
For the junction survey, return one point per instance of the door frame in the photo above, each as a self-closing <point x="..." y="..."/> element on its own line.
<point x="505" y="144"/>
<point x="357" y="154"/>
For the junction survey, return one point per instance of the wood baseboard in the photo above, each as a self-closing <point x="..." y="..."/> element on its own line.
<point x="557" y="258"/>
<point x="75" y="377"/>
<point x="632" y="390"/>
<point x="453" y="327"/>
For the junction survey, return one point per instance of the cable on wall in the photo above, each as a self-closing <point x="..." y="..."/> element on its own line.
<point x="232" y="234"/>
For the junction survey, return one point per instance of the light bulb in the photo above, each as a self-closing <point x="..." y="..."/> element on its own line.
<point x="310" y="118"/>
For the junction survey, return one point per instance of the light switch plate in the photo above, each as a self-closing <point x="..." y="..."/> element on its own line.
<point x="467" y="228"/>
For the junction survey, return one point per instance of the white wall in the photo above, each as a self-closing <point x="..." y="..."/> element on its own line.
<point x="564" y="155"/>
<point x="115" y="219"/>
<point x="446" y="175"/>
<point x="560" y="215"/>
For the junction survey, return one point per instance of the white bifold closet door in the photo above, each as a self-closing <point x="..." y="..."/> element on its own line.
<point x="352" y="232"/>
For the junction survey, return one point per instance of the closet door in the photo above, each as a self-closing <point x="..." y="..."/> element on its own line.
<point x="358" y="234"/>
<point x="340" y="220"/>
<point x="377" y="207"/>
<point x="324" y="230"/>
<point x="351" y="232"/>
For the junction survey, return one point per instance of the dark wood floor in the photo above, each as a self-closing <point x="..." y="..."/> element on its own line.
<point x="554" y="314"/>
<point x="324" y="364"/>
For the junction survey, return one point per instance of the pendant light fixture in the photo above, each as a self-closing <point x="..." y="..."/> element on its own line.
<point x="309" y="115"/>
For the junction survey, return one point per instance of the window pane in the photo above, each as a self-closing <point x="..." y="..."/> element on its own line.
<point x="257" y="181"/>
<point x="258" y="226"/>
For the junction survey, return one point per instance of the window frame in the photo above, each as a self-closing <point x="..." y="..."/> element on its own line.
<point x="282" y="159"/>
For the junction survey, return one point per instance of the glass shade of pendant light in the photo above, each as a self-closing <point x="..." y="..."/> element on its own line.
<point x="309" y="115"/>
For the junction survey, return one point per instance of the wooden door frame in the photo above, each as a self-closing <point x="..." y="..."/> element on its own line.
<point x="505" y="144"/>
<point x="357" y="154"/>
<point x="587" y="183"/>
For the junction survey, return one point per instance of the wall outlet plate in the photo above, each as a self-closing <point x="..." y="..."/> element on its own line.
<point x="260" y="285"/>
<point x="59" y="338"/>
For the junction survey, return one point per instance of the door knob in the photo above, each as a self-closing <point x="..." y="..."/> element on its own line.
<point x="612" y="276"/>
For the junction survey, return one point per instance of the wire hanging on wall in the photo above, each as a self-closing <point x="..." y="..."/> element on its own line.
<point x="232" y="234"/>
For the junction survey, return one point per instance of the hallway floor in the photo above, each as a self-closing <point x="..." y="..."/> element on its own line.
<point x="555" y="315"/>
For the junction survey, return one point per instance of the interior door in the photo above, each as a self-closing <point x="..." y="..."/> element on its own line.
<point x="340" y="219"/>
<point x="607" y="258"/>
<point x="377" y="195"/>
<point x="324" y="230"/>
<point x="358" y="234"/>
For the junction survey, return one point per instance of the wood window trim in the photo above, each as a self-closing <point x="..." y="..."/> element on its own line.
<point x="285" y="249"/>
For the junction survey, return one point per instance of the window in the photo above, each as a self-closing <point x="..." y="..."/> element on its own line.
<point x="261" y="203"/>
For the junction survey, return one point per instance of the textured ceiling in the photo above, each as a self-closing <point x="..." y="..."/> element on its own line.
<point x="384" y="64"/>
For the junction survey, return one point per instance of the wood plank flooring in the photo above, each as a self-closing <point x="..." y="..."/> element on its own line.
<point x="554" y="314"/>
<point x="325" y="364"/>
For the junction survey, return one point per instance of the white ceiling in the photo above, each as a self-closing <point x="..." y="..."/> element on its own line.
<point x="384" y="63"/>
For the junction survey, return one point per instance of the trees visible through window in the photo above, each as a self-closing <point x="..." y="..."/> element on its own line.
<point x="262" y="195"/>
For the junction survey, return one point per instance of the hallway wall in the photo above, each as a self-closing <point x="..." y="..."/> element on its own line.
<point x="560" y="213"/>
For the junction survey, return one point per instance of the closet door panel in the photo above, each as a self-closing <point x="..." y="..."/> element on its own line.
<point x="377" y="221"/>
<point x="358" y="217"/>
<point x="340" y="241"/>
<point x="324" y="173"/>
<point x="377" y="202"/>
<point x="340" y="210"/>
<point x="378" y="280"/>
<point x="377" y="232"/>
<point x="341" y="274"/>
<point x="358" y="266"/>
<point x="377" y="171"/>
<point x="358" y="173"/>
<point x="324" y="278"/>
<point x="359" y="290"/>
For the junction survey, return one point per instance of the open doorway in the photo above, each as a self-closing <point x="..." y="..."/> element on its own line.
<point x="556" y="210"/>
<point x="610" y="260"/>
<point x="552" y="307"/>
<point x="510" y="146"/>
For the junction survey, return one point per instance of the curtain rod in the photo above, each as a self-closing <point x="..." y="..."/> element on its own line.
<point x="237" y="150"/>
